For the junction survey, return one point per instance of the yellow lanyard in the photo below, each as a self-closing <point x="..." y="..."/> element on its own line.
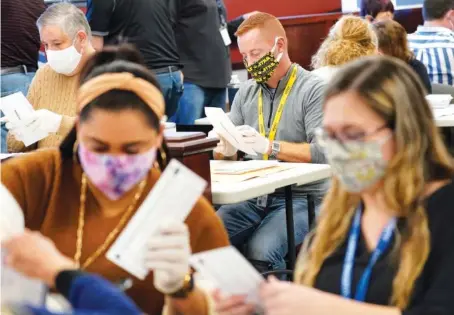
<point x="280" y="109"/>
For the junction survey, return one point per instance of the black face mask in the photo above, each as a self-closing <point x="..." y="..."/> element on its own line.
<point x="262" y="70"/>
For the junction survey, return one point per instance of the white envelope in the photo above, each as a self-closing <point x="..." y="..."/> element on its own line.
<point x="171" y="199"/>
<point x="15" y="288"/>
<point x="17" y="108"/>
<point x="229" y="271"/>
<point x="226" y="129"/>
<point x="11" y="215"/>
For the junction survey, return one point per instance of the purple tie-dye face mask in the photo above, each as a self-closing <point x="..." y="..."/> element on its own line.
<point x="115" y="175"/>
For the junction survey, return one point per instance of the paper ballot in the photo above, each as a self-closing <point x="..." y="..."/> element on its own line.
<point x="15" y="288"/>
<point x="229" y="271"/>
<point x="226" y="129"/>
<point x="16" y="108"/>
<point x="172" y="198"/>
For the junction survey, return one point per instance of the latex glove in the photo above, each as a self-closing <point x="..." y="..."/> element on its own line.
<point x="224" y="147"/>
<point x="168" y="256"/>
<point x="41" y="119"/>
<point x="36" y="256"/>
<point x="252" y="137"/>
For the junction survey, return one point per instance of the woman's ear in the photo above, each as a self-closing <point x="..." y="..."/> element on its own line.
<point x="369" y="18"/>
<point x="82" y="38"/>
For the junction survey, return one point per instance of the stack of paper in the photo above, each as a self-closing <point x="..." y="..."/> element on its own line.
<point x="15" y="288"/>
<point x="229" y="172"/>
<point x="238" y="168"/>
<point x="226" y="129"/>
<point x="17" y="109"/>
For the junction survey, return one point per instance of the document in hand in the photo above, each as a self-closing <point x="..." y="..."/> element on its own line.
<point x="16" y="109"/>
<point x="15" y="288"/>
<point x="229" y="272"/>
<point x="161" y="205"/>
<point x="226" y="129"/>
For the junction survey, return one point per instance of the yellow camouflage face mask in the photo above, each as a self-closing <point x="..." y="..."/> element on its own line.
<point x="262" y="70"/>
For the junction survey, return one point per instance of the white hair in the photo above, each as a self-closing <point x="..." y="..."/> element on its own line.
<point x="67" y="16"/>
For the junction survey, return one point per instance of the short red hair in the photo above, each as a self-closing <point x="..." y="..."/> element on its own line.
<point x="261" y="20"/>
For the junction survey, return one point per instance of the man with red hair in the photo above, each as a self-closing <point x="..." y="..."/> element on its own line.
<point x="277" y="112"/>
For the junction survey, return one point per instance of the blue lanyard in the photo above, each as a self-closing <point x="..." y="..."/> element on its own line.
<point x="347" y="270"/>
<point x="221" y="13"/>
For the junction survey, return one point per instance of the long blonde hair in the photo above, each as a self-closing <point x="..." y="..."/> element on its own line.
<point x="350" y="38"/>
<point x="393" y="91"/>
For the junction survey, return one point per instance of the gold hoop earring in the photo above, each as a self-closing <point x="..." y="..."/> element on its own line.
<point x="75" y="147"/>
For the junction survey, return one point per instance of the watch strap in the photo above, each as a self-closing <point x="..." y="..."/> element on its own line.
<point x="188" y="287"/>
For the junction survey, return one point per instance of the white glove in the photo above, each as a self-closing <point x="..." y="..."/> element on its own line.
<point x="168" y="256"/>
<point x="224" y="147"/>
<point x="41" y="119"/>
<point x="259" y="143"/>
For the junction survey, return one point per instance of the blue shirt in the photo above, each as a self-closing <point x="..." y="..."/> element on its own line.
<point x="434" y="47"/>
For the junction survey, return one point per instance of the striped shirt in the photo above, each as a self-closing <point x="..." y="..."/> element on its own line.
<point x="434" y="47"/>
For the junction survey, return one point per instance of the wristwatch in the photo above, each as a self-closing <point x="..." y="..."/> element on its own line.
<point x="275" y="149"/>
<point x="188" y="286"/>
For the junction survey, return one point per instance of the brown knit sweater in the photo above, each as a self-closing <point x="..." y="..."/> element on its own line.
<point x="57" y="93"/>
<point x="48" y="190"/>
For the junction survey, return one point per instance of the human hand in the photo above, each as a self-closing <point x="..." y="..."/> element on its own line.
<point x="41" y="119"/>
<point x="284" y="298"/>
<point x="224" y="147"/>
<point x="36" y="256"/>
<point x="259" y="143"/>
<point x="168" y="256"/>
<point x="233" y="305"/>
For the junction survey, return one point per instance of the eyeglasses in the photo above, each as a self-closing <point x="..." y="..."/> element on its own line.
<point x="323" y="136"/>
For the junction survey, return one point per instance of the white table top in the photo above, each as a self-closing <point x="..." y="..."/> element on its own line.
<point x="301" y="174"/>
<point x="445" y="121"/>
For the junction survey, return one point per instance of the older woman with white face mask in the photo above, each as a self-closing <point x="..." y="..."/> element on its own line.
<point x="66" y="37"/>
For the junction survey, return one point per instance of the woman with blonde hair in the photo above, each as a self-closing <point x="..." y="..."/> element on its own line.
<point x="383" y="241"/>
<point x="350" y="38"/>
<point x="392" y="41"/>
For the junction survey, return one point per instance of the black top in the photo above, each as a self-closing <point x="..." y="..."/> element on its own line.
<point x="144" y="23"/>
<point x="20" y="36"/>
<point x="434" y="290"/>
<point x="205" y="57"/>
<point x="421" y="70"/>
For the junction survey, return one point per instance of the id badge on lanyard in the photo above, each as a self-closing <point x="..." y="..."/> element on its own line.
<point x="225" y="35"/>
<point x="347" y="269"/>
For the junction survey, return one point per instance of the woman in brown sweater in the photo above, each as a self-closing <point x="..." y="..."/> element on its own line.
<point x="83" y="195"/>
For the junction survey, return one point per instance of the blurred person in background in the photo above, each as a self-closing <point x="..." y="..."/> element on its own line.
<point x="203" y="36"/>
<point x="392" y="41"/>
<point x="19" y="49"/>
<point x="147" y="24"/>
<point x="350" y="38"/>
<point x="377" y="10"/>
<point x="66" y="37"/>
<point x="433" y="42"/>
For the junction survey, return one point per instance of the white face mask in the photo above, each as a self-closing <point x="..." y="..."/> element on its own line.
<point x="64" y="61"/>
